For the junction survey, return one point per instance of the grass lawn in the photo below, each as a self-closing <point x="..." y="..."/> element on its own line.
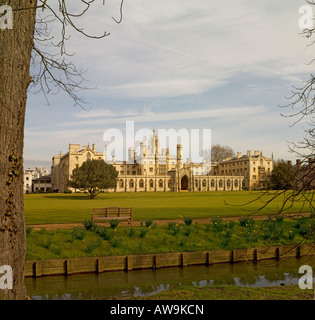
<point x="75" y="208"/>
<point x="105" y="241"/>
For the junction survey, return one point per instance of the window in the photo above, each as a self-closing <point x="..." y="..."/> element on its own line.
<point x="141" y="184"/>
<point x="228" y="183"/>
<point x="121" y="183"/>
<point x="131" y="184"/>
<point x="151" y="169"/>
<point x="212" y="183"/>
<point x="196" y="183"/>
<point x="161" y="183"/>
<point x="220" y="183"/>
<point x="169" y="183"/>
<point x="236" y="183"/>
<point x="204" y="183"/>
<point x="151" y="183"/>
<point x="254" y="177"/>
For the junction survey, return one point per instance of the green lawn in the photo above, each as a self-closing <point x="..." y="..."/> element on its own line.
<point x="75" y="208"/>
<point x="175" y="237"/>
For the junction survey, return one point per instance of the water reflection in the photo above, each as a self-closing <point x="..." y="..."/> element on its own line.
<point x="120" y="285"/>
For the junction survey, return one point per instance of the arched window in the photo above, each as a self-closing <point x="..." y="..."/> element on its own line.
<point x="121" y="183"/>
<point x="228" y="183"/>
<point x="212" y="183"/>
<point x="131" y="184"/>
<point x="236" y="183"/>
<point x="220" y="183"/>
<point x="204" y="183"/>
<point x="141" y="184"/>
<point x="161" y="183"/>
<point x="196" y="183"/>
<point x="151" y="183"/>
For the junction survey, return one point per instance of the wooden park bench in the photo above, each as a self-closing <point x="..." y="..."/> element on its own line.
<point x="112" y="213"/>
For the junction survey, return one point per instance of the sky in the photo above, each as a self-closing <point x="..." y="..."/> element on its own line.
<point x="224" y="66"/>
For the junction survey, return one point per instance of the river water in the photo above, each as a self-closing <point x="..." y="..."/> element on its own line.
<point x="121" y="285"/>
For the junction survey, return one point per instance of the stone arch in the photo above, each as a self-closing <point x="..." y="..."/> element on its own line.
<point x="184" y="183"/>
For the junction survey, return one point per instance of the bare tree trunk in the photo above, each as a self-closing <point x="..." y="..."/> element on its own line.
<point x="15" y="56"/>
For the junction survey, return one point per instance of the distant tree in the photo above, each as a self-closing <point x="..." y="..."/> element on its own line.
<point x="283" y="176"/>
<point x="218" y="153"/>
<point x="93" y="176"/>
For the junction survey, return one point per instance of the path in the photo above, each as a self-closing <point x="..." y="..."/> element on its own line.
<point x="158" y="222"/>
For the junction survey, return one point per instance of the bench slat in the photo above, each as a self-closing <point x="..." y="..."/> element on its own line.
<point x="112" y="212"/>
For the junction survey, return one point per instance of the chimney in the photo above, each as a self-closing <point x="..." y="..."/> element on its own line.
<point x="290" y="163"/>
<point x="249" y="153"/>
<point x="256" y="153"/>
<point x="298" y="163"/>
<point x="93" y="147"/>
<point x="114" y="159"/>
<point x="239" y="154"/>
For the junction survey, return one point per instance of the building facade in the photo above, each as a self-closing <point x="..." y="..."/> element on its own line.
<point x="30" y="175"/>
<point x="152" y="170"/>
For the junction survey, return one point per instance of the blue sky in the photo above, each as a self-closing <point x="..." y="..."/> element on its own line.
<point x="219" y="65"/>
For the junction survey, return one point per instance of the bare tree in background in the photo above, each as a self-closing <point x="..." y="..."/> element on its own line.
<point x="20" y="46"/>
<point x="218" y="153"/>
<point x="301" y="109"/>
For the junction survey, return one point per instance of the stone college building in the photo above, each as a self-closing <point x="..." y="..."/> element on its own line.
<point x="152" y="170"/>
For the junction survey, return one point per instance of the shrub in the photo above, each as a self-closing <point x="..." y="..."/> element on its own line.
<point x="48" y="242"/>
<point x="89" y="225"/>
<point x="246" y="222"/>
<point x="273" y="230"/>
<point x="105" y="233"/>
<point x="172" y="226"/>
<point x="148" y="222"/>
<point x="187" y="220"/>
<point x="113" y="223"/>
<point x="143" y="232"/>
<point x="291" y="234"/>
<point x="78" y="233"/>
<point x="131" y="232"/>
<point x="187" y="231"/>
<point x="217" y="224"/>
